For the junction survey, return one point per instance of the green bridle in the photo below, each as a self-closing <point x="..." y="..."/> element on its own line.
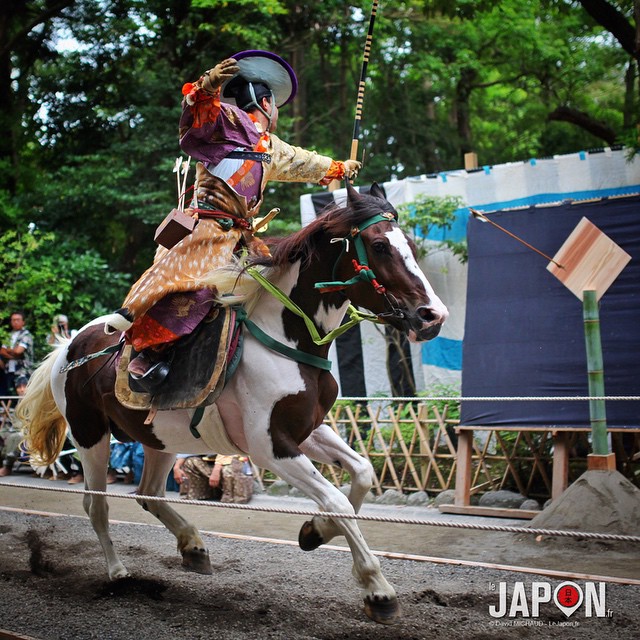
<point x="364" y="273"/>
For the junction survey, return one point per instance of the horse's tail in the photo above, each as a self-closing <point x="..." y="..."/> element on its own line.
<point x="43" y="426"/>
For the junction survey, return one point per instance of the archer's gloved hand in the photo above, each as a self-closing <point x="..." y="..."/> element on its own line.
<point x="213" y="79"/>
<point x="351" y="168"/>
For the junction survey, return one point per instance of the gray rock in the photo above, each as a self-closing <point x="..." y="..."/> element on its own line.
<point x="345" y="488"/>
<point x="278" y="488"/>
<point x="391" y="496"/>
<point x="444" y="497"/>
<point x="530" y="505"/>
<point x="418" y="499"/>
<point x="502" y="499"/>
<point x="294" y="492"/>
<point x="257" y="486"/>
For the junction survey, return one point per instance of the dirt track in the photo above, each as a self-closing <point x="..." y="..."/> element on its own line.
<point x="53" y="586"/>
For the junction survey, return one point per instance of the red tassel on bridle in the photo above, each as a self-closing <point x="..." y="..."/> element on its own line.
<point x="363" y="267"/>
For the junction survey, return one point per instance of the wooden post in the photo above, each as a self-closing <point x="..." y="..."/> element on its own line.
<point x="470" y="161"/>
<point x="463" y="469"/>
<point x="597" y="410"/>
<point x="560" y="474"/>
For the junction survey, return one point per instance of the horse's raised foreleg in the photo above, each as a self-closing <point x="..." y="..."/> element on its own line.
<point x="157" y="465"/>
<point x="380" y="600"/>
<point x="95" y="462"/>
<point x="325" y="445"/>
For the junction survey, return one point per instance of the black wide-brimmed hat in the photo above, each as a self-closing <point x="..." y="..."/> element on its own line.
<point x="262" y="67"/>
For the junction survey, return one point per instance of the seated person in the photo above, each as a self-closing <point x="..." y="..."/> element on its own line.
<point x="214" y="477"/>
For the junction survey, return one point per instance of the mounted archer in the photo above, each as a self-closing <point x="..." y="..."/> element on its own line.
<point x="228" y="121"/>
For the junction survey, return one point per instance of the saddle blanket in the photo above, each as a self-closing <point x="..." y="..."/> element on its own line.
<point x="198" y="363"/>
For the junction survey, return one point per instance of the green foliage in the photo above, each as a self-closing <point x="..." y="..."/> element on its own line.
<point x="420" y="216"/>
<point x="90" y="101"/>
<point x="444" y="391"/>
<point x="44" y="275"/>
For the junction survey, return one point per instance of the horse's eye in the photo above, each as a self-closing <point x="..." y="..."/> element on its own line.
<point x="380" y="247"/>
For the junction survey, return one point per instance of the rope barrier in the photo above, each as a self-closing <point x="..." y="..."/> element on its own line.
<point x="589" y="535"/>
<point x="485" y="398"/>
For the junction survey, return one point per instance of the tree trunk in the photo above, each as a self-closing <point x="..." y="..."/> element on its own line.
<point x="464" y="87"/>
<point x="584" y="121"/>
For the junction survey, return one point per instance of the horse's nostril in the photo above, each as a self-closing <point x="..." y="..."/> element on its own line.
<point x="427" y="314"/>
<point x="431" y="315"/>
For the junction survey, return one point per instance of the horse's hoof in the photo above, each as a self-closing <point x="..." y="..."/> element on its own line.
<point x="308" y="538"/>
<point x="119" y="572"/>
<point x="197" y="560"/>
<point x="382" y="609"/>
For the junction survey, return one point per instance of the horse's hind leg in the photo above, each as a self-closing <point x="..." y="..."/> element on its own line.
<point x="157" y="465"/>
<point x="380" y="600"/>
<point x="95" y="462"/>
<point x="325" y="445"/>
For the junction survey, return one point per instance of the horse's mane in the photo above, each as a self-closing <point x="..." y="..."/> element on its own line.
<point x="334" y="222"/>
<point x="236" y="286"/>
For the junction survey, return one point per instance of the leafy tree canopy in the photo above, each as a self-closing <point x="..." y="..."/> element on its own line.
<point x="90" y="95"/>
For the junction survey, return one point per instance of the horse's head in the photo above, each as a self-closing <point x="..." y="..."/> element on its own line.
<point x="382" y="258"/>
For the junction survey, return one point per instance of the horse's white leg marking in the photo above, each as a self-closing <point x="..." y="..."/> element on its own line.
<point x="95" y="462"/>
<point x="157" y="465"/>
<point x="301" y="473"/>
<point x="325" y="445"/>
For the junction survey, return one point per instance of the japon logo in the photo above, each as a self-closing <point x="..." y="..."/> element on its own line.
<point x="567" y="596"/>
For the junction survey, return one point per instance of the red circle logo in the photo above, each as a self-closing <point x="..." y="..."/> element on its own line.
<point x="568" y="596"/>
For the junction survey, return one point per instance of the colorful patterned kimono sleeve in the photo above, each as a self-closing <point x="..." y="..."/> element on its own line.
<point x="294" y="164"/>
<point x="200" y="112"/>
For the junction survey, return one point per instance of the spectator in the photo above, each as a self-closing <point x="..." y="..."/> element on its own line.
<point x="211" y="477"/>
<point x="19" y="353"/>
<point x="11" y="435"/>
<point x="60" y="331"/>
<point x="4" y="380"/>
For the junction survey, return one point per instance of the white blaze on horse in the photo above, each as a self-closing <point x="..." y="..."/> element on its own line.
<point x="274" y="405"/>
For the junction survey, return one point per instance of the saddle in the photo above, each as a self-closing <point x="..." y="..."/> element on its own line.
<point x="199" y="366"/>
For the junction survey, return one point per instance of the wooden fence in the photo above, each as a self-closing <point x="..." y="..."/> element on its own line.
<point x="412" y="446"/>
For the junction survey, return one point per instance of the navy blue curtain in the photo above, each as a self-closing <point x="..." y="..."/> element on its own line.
<point x="524" y="332"/>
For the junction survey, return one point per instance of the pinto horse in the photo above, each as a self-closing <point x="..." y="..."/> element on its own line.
<point x="274" y="406"/>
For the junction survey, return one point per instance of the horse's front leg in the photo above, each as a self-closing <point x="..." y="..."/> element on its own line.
<point x="380" y="600"/>
<point x="95" y="462"/>
<point x="157" y="465"/>
<point x="325" y="445"/>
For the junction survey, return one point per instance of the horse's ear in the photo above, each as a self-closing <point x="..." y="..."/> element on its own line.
<point x="377" y="191"/>
<point x="352" y="194"/>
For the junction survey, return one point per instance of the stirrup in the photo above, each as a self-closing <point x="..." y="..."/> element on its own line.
<point x="151" y="379"/>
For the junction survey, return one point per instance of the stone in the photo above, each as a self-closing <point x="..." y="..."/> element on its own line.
<point x="530" y="505"/>
<point x="502" y="499"/>
<point x="346" y="489"/>
<point x="445" y="497"/>
<point x="391" y="496"/>
<point x="258" y="487"/>
<point x="278" y="488"/>
<point x="418" y="499"/>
